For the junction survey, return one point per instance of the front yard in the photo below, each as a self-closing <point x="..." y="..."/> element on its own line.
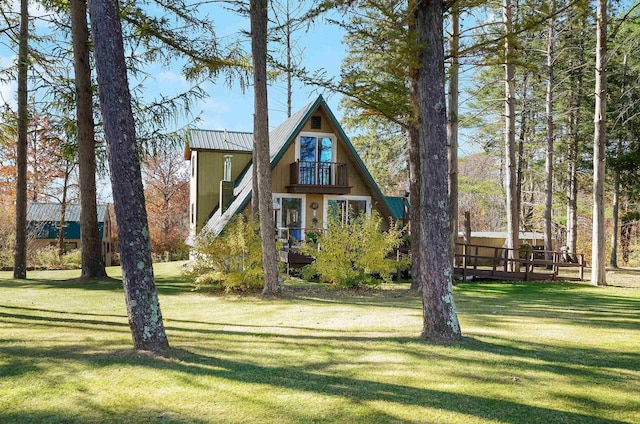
<point x="532" y="352"/>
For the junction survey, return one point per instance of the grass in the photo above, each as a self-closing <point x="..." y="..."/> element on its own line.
<point x="532" y="353"/>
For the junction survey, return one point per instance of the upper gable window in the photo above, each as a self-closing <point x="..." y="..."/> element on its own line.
<point x="316" y="122"/>
<point x="316" y="153"/>
<point x="316" y="147"/>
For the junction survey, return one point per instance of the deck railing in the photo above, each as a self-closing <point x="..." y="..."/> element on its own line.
<point x="495" y="262"/>
<point x="319" y="173"/>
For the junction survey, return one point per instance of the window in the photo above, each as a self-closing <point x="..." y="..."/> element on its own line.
<point x="343" y="208"/>
<point x="193" y="215"/>
<point x="227" y="167"/>
<point x="289" y="211"/>
<point x="316" y="154"/>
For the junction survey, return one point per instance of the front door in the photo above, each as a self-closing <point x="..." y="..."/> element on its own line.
<point x="289" y="216"/>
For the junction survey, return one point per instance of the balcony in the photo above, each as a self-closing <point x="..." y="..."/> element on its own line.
<point x="318" y="177"/>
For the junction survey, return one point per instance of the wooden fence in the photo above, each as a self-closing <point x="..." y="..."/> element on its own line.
<point x="490" y="262"/>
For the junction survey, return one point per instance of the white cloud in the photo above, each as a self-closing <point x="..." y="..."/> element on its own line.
<point x="9" y="89"/>
<point x="215" y="106"/>
<point x="170" y="77"/>
<point x="36" y="10"/>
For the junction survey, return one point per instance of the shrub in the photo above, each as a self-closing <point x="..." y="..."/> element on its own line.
<point x="232" y="261"/>
<point x="525" y="250"/>
<point x="7" y="235"/>
<point x="351" y="254"/>
<point x="48" y="258"/>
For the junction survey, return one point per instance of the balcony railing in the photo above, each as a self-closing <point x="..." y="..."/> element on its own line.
<point x="319" y="177"/>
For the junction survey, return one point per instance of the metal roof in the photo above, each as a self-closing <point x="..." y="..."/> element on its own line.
<point x="223" y="140"/>
<point x="397" y="205"/>
<point x="43" y="212"/>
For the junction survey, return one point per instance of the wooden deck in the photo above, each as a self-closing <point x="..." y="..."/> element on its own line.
<point x="489" y="262"/>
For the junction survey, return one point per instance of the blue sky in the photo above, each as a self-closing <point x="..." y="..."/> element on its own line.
<point x="225" y="107"/>
<point x="230" y="108"/>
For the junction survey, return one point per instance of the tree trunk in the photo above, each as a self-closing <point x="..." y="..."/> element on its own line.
<point x="574" y="135"/>
<point x="414" y="208"/>
<point x="35" y="175"/>
<point x="452" y="125"/>
<point x="613" y="259"/>
<point x="92" y="263"/>
<point x="520" y="160"/>
<point x="509" y="139"/>
<point x="598" y="272"/>
<point x="414" y="172"/>
<point x="258" y="15"/>
<point x="255" y="192"/>
<point x="466" y="236"/>
<point x="20" y="256"/>
<point x="166" y="223"/>
<point x="141" y="296"/>
<point x="548" y="166"/>
<point x="439" y="313"/>
<point x="63" y="209"/>
<point x="289" y="60"/>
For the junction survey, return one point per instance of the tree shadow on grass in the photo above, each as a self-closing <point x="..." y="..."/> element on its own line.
<point x="354" y="390"/>
<point x="96" y="415"/>
<point x="555" y="358"/>
<point x="579" y="363"/>
<point x="569" y="303"/>
<point x="167" y="286"/>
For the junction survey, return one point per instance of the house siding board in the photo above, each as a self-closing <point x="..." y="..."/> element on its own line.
<point x="210" y="172"/>
<point x="278" y="139"/>
<point x="209" y="175"/>
<point x="281" y="171"/>
<point x="327" y="126"/>
<point x="319" y="199"/>
<point x="377" y="195"/>
<point x="193" y="194"/>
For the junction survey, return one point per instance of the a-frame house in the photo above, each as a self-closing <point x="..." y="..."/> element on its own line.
<point x="315" y="168"/>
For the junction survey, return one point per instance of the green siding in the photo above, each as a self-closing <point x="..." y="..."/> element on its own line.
<point x="210" y="173"/>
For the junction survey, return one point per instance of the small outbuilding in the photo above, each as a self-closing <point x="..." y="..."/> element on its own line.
<point x="43" y="227"/>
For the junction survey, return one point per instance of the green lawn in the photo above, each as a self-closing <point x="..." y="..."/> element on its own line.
<point x="532" y="353"/>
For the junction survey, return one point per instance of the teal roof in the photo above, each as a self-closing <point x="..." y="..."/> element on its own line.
<point x="43" y="220"/>
<point x="279" y="140"/>
<point x="397" y="205"/>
